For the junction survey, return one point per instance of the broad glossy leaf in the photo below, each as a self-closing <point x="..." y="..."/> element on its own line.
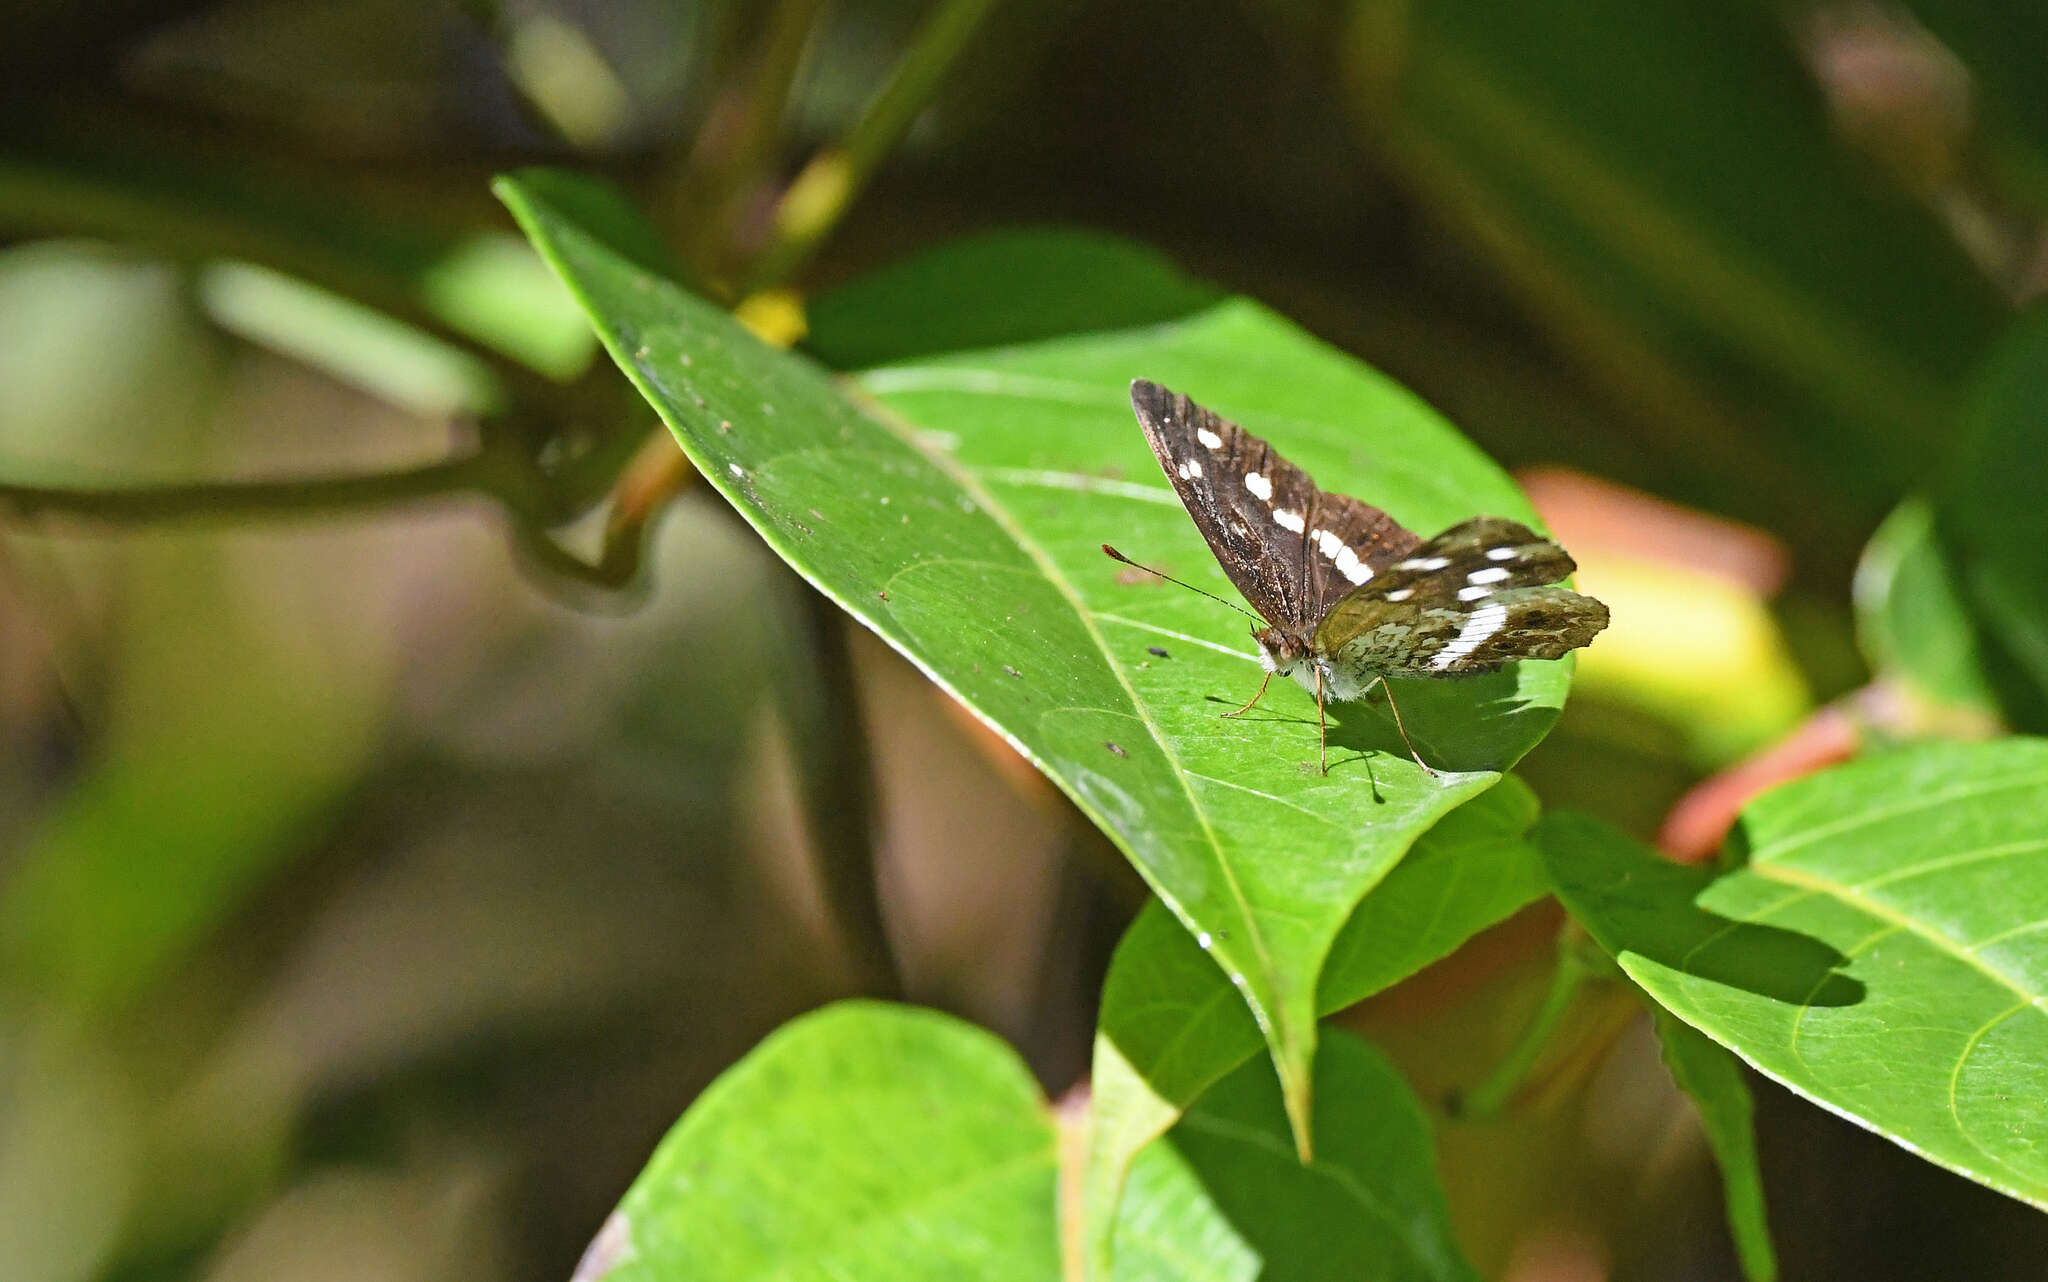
<point x="1911" y="615"/>
<point x="1171" y="1026"/>
<point x="1711" y="1076"/>
<point x="996" y="289"/>
<point x="1665" y="185"/>
<point x="957" y="507"/>
<point x="1883" y="953"/>
<point x="1224" y="1199"/>
<point x="860" y="1143"/>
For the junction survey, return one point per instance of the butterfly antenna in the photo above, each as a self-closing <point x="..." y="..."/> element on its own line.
<point x="1115" y="555"/>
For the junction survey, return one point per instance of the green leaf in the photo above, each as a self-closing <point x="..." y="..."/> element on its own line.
<point x="999" y="288"/>
<point x="1911" y="615"/>
<point x="1993" y="523"/>
<point x="195" y="208"/>
<point x="862" y="1141"/>
<point x="1171" y="1025"/>
<point x="1884" y="952"/>
<point x="958" y="510"/>
<point x="1713" y="1079"/>
<point x="1223" y="1197"/>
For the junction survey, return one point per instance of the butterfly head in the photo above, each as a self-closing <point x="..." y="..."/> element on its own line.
<point x="1282" y="652"/>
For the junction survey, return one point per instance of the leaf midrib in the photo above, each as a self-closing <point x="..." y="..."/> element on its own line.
<point x="963" y="476"/>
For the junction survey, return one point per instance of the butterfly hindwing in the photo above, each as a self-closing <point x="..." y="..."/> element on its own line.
<point x="1470" y="600"/>
<point x="1398" y="640"/>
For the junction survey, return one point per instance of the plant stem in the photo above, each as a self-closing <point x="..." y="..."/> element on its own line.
<point x="827" y="186"/>
<point x="734" y="153"/>
<point x="1491" y="1095"/>
<point x="836" y="785"/>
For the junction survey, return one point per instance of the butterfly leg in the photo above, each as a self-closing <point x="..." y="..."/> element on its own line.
<point x="1322" y="725"/>
<point x="1254" y="699"/>
<point x="1394" y="708"/>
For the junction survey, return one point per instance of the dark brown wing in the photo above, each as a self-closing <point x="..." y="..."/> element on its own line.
<point x="1349" y="544"/>
<point x="1468" y="601"/>
<point x="1291" y="548"/>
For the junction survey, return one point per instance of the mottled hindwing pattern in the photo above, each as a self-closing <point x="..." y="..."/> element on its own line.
<point x="1468" y="601"/>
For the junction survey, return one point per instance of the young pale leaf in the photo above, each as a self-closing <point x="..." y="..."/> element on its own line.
<point x="1712" y="1078"/>
<point x="1171" y="1026"/>
<point x="1223" y="1198"/>
<point x="957" y="507"/>
<point x="1912" y="617"/>
<point x="860" y="1143"/>
<point x="1883" y="953"/>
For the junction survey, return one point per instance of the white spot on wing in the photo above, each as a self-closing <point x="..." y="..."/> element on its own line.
<point x="1260" y="487"/>
<point x="1288" y="520"/>
<point x="1208" y="438"/>
<point x="1189" y="469"/>
<point x="1479" y="625"/>
<point x="1500" y="554"/>
<point x="1424" y="563"/>
<point x="1474" y="594"/>
<point x="1351" y="567"/>
<point x="1347" y="560"/>
<point x="1491" y="574"/>
<point x="1400" y="594"/>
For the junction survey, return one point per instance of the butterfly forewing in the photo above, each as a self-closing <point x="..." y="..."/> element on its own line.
<point x="1292" y="550"/>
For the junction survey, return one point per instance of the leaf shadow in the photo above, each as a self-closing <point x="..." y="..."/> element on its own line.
<point x="1636" y="901"/>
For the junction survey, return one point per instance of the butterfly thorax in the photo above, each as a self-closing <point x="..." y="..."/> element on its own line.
<point x="1286" y="654"/>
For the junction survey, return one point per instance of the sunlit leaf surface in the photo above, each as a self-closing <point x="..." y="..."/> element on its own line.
<point x="957" y="505"/>
<point x="1884" y="952"/>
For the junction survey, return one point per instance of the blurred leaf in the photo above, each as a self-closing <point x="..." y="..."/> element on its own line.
<point x="961" y="518"/>
<point x="387" y="358"/>
<point x="1713" y="1078"/>
<point x="494" y="288"/>
<point x="1171" y="1025"/>
<point x="224" y="721"/>
<point x="999" y="288"/>
<point x="1694" y="649"/>
<point x="1994" y="523"/>
<point x="226" y="752"/>
<point x="1224" y="1198"/>
<point x="1663" y="183"/>
<point x="166" y="200"/>
<point x="859" y="1142"/>
<point x="1911" y="615"/>
<point x="1882" y="953"/>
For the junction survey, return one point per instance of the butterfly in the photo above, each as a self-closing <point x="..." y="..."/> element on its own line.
<point x="1346" y="596"/>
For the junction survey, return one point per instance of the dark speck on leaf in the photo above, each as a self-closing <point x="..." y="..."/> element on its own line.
<point x="884" y="594"/>
<point x="1114" y="748"/>
<point x="1158" y="650"/>
<point x="1013" y="672"/>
